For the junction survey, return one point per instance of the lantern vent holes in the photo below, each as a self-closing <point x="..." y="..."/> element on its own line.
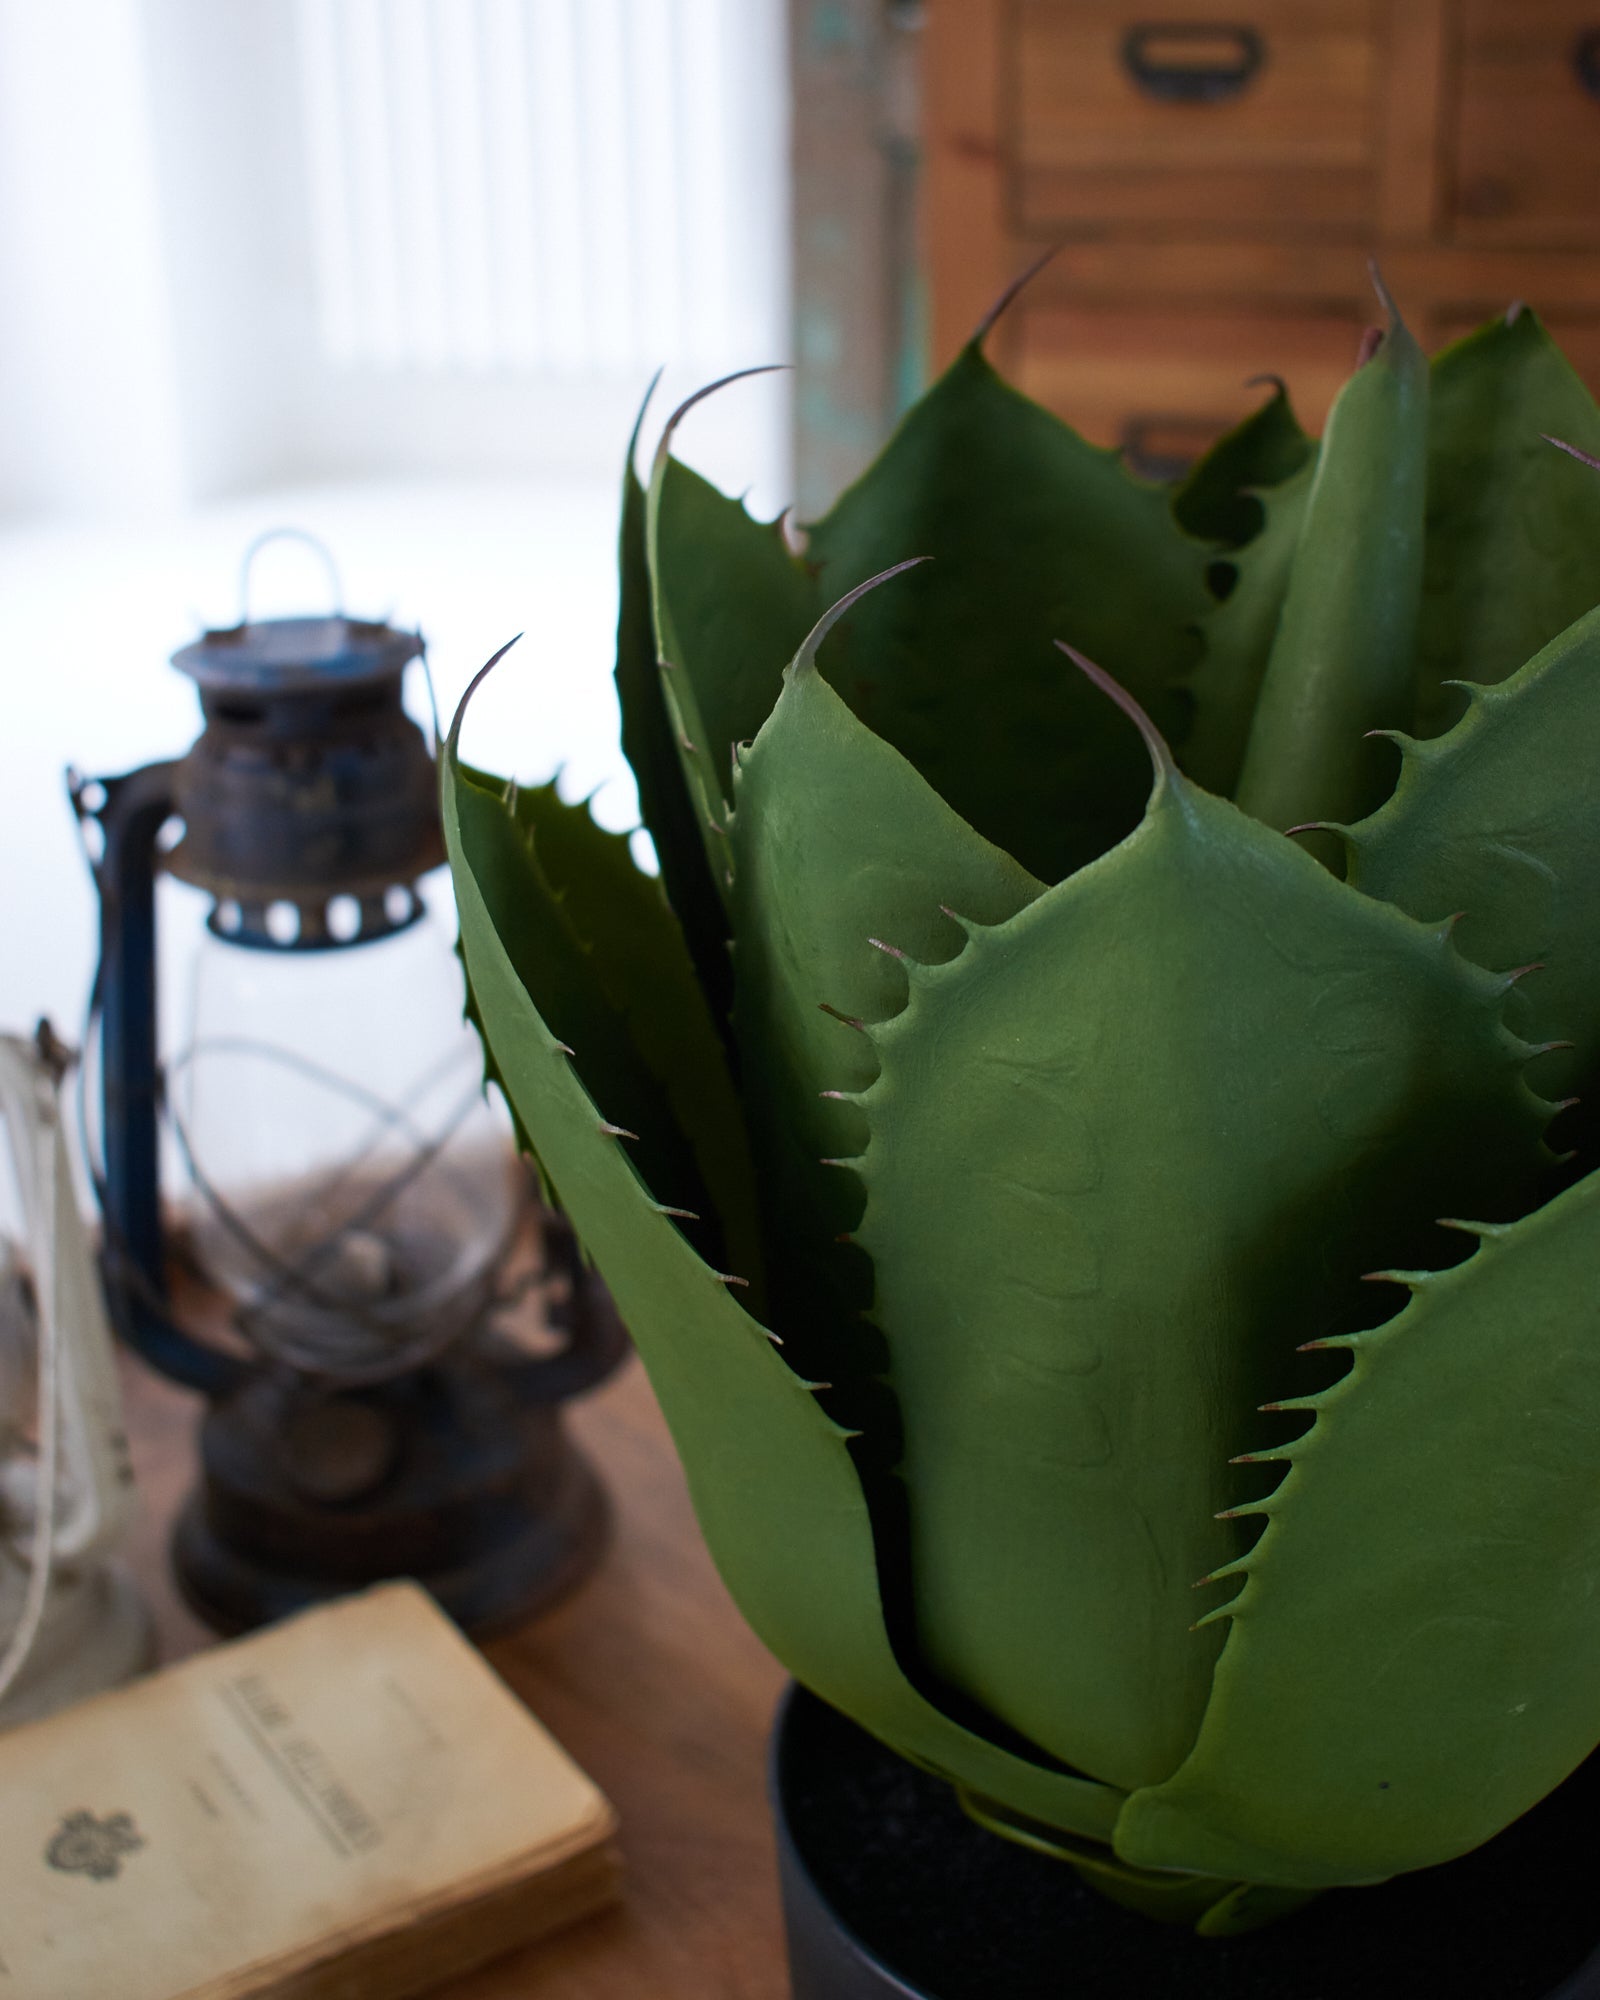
<point x="313" y="923"/>
<point x="172" y="831"/>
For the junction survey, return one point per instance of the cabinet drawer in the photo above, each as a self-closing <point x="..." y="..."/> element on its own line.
<point x="1221" y="117"/>
<point x="1165" y="388"/>
<point x="1526" y="153"/>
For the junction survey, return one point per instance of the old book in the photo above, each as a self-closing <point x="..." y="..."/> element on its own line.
<point x="348" y="1806"/>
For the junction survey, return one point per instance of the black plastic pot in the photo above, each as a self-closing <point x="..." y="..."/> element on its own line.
<point x="891" y="1893"/>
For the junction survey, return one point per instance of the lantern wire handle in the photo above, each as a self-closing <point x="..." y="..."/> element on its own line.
<point x="313" y="542"/>
<point x="298" y="1279"/>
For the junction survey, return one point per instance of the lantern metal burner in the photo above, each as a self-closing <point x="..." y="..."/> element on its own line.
<point x="373" y="1420"/>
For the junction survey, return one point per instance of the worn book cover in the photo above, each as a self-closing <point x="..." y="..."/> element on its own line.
<point x="348" y="1806"/>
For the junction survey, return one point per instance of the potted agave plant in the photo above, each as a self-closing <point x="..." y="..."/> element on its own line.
<point x="1095" y="938"/>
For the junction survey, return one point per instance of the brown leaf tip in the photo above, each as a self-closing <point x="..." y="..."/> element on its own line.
<point x="1019" y="283"/>
<point x="1155" y="742"/>
<point x="1572" y="451"/>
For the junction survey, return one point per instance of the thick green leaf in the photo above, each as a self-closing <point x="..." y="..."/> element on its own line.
<point x="1237" y="636"/>
<point x="620" y="917"/>
<point x="734" y="603"/>
<point x="1220" y="501"/>
<point x="842" y="860"/>
<point x="687" y="730"/>
<point x="1343" y="661"/>
<point x="649" y="741"/>
<point x="1500" y="820"/>
<point x="1035" y="535"/>
<point x="771" y="1476"/>
<point x="547" y="950"/>
<point x="1414" y="1658"/>
<point x="725" y="593"/>
<point x="1513" y="525"/>
<point x="1126" y="1149"/>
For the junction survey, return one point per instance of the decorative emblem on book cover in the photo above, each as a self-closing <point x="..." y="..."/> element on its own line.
<point x="85" y="1845"/>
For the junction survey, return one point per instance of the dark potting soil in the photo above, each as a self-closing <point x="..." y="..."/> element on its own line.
<point x="973" y="1917"/>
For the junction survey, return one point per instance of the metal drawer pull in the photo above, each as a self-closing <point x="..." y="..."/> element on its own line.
<point x="1192" y="62"/>
<point x="1586" y="61"/>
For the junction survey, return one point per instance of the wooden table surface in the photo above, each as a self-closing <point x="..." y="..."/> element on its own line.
<point x="647" y="1675"/>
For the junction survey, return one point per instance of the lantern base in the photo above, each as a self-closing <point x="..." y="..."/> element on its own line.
<point x="443" y="1475"/>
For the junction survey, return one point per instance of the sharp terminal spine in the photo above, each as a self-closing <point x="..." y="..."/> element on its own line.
<point x="616" y="1131"/>
<point x="1222" y="1572"/>
<point x="850" y="1020"/>
<point x="1480" y="1229"/>
<point x="1571" y="449"/>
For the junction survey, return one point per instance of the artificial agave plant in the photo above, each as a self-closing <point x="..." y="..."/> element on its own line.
<point x="991" y="1120"/>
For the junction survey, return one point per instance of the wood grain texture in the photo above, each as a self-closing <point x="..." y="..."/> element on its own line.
<point x="1320" y="276"/>
<point x="1289" y="142"/>
<point x="1125" y="377"/>
<point x="1526" y="143"/>
<point x="968" y="256"/>
<point x="1416" y="57"/>
<point x="1456" y="140"/>
<point x="647" y="1675"/>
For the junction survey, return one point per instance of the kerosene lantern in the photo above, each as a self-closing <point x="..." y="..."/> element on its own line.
<point x="351" y="1190"/>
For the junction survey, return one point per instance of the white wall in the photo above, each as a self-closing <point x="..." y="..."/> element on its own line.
<point x="166" y="391"/>
<point x="166" y="334"/>
<point x="88" y="381"/>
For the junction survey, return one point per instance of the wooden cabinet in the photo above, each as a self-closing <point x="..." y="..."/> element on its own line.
<point x="1195" y="117"/>
<point x="1217" y="176"/>
<point x="1523" y="135"/>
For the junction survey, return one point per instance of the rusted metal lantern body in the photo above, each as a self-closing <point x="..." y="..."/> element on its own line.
<point x="352" y="1193"/>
